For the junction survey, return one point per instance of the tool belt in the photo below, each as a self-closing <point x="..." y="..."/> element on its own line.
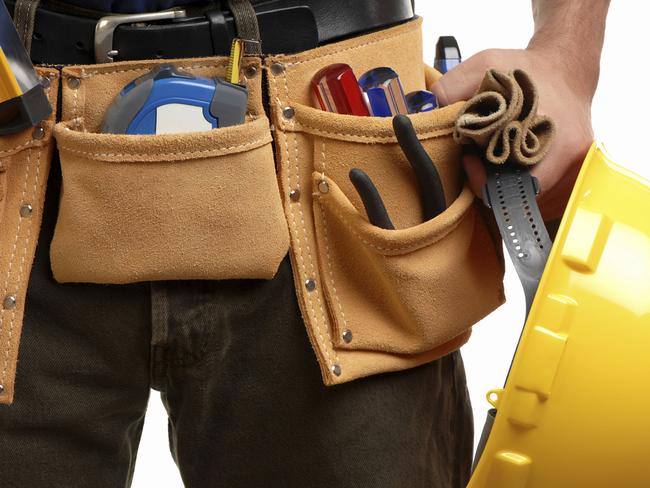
<point x="229" y="203"/>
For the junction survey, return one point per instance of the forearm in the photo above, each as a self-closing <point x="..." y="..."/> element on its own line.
<point x="572" y="32"/>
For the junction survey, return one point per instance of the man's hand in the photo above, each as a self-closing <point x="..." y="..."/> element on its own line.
<point x="563" y="60"/>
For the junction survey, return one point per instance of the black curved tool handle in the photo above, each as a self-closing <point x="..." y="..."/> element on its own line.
<point x="372" y="201"/>
<point x="432" y="193"/>
<point x="511" y="192"/>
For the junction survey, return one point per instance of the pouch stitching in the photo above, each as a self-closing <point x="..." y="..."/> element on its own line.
<point x="327" y="246"/>
<point x="405" y="249"/>
<point x="302" y="259"/>
<point x="89" y="74"/>
<point x="217" y="151"/>
<point x="442" y="132"/>
<point x="22" y="259"/>
<point x="11" y="151"/>
<point x="411" y="30"/>
<point x="329" y="265"/>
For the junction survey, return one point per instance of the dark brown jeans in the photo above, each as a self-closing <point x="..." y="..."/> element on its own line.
<point x="246" y="404"/>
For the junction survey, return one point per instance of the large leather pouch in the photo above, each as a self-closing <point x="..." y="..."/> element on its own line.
<point x="201" y="205"/>
<point x="377" y="300"/>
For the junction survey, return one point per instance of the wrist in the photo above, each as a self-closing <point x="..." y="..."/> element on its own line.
<point x="579" y="69"/>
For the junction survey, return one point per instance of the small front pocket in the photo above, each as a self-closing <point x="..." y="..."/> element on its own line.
<point x="404" y="291"/>
<point x="180" y="206"/>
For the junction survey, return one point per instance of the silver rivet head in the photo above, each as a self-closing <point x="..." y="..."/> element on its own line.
<point x="38" y="133"/>
<point x="2" y="389"/>
<point x="9" y="302"/>
<point x="310" y="284"/>
<point x="250" y="71"/>
<point x="294" y="195"/>
<point x="26" y="210"/>
<point x="347" y="336"/>
<point x="336" y="369"/>
<point x="323" y="187"/>
<point x="277" y="68"/>
<point x="288" y="112"/>
<point x="74" y="83"/>
<point x="45" y="82"/>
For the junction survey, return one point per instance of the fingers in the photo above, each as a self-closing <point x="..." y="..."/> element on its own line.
<point x="461" y="82"/>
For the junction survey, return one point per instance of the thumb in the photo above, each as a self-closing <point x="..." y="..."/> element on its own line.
<point x="461" y="82"/>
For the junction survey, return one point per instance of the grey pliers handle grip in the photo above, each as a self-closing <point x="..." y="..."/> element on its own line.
<point x="432" y="193"/>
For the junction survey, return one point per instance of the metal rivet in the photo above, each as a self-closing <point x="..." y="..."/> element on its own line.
<point x="310" y="284"/>
<point x="9" y="302"/>
<point x="323" y="187"/>
<point x="288" y="112"/>
<point x="26" y="210"/>
<point x="336" y="369"/>
<point x="45" y="82"/>
<point x="250" y="71"/>
<point x="347" y="336"/>
<point x="294" y="195"/>
<point x="2" y="389"/>
<point x="277" y="68"/>
<point x="38" y="133"/>
<point x="74" y="83"/>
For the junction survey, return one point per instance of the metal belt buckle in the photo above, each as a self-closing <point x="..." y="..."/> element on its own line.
<point x="105" y="29"/>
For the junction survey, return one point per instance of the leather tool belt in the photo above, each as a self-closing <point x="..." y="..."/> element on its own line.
<point x="72" y="35"/>
<point x="227" y="204"/>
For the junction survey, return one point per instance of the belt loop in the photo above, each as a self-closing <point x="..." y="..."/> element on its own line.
<point x="247" y="26"/>
<point x="218" y="32"/>
<point x="24" y="18"/>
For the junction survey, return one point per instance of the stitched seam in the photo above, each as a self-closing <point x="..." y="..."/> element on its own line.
<point x="441" y="132"/>
<point x="9" y="270"/>
<point x="16" y="148"/>
<point x="258" y="143"/>
<point x="89" y="74"/>
<point x="358" y="46"/>
<point x="21" y="272"/>
<point x="293" y="217"/>
<point x="329" y="264"/>
<point x="405" y="249"/>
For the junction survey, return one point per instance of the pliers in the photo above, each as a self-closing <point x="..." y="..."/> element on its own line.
<point x="432" y="192"/>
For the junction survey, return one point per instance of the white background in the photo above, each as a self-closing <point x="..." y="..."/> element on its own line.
<point x="617" y="112"/>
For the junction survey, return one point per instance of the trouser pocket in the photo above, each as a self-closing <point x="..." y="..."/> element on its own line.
<point x="378" y="300"/>
<point x="201" y="205"/>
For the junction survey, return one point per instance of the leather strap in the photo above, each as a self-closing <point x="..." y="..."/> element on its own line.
<point x="65" y="34"/>
<point x="511" y="192"/>
<point x="247" y="26"/>
<point x="24" y="14"/>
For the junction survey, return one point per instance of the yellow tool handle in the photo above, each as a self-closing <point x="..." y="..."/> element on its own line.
<point x="9" y="87"/>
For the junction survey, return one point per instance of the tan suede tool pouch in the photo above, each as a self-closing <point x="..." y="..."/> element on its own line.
<point x="25" y="159"/>
<point x="200" y="205"/>
<point x="377" y="300"/>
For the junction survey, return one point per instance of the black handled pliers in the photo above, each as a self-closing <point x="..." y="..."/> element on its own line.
<point x="432" y="192"/>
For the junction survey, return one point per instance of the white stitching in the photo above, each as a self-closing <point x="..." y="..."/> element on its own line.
<point x="85" y="74"/>
<point x="216" y="151"/>
<point x="11" y="262"/>
<point x="442" y="131"/>
<point x="293" y="217"/>
<point x="414" y="247"/>
<point x="21" y="271"/>
<point x="329" y="263"/>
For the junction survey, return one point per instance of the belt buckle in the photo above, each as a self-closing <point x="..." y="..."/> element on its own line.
<point x="105" y="30"/>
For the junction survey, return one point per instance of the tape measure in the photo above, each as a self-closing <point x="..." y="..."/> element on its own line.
<point x="167" y="100"/>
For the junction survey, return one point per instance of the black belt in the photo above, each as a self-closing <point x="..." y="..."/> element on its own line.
<point x="66" y="35"/>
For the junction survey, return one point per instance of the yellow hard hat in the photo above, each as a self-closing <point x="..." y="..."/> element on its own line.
<point x="575" y="410"/>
